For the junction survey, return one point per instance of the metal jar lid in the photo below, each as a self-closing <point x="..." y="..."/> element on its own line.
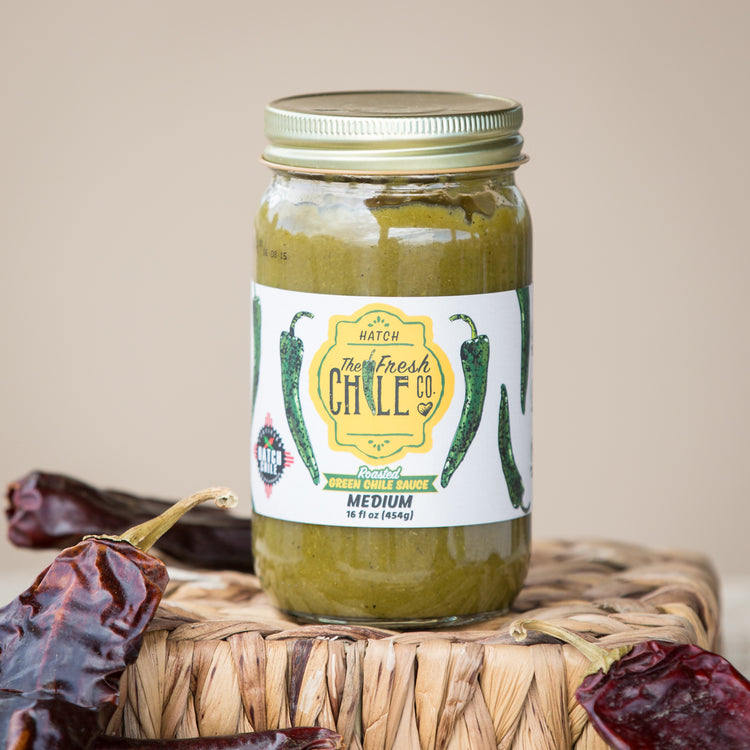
<point x="393" y="132"/>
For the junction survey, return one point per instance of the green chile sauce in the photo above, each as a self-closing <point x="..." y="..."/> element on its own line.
<point x="385" y="237"/>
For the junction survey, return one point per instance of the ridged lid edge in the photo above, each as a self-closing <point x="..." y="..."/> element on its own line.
<point x="387" y="131"/>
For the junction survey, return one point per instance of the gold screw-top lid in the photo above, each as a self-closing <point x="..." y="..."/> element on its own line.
<point x="393" y="131"/>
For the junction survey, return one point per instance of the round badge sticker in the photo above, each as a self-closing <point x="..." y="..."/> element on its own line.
<point x="270" y="455"/>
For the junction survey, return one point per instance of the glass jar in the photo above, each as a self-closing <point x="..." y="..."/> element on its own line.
<point x="391" y="431"/>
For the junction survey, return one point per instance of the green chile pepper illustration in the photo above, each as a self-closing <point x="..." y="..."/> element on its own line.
<point x="475" y="357"/>
<point x="291" y="349"/>
<point x="524" y="303"/>
<point x="368" y="380"/>
<point x="256" y="347"/>
<point x="510" y="470"/>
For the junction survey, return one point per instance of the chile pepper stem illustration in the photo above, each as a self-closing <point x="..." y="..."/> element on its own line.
<point x="368" y="381"/>
<point x="600" y="658"/>
<point x="466" y="319"/>
<point x="300" y="314"/>
<point x="475" y="355"/>
<point x="291" y="349"/>
<point x="145" y="535"/>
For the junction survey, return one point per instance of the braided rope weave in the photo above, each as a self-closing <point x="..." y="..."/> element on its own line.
<point x="219" y="659"/>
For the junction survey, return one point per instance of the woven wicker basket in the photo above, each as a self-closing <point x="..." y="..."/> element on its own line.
<point x="219" y="659"/>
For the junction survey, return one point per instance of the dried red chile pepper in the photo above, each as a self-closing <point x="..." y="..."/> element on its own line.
<point x="298" y="738"/>
<point x="660" y="696"/>
<point x="669" y="695"/>
<point x="65" y="641"/>
<point x="47" y="510"/>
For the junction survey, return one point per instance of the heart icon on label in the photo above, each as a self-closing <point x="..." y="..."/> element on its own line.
<point x="424" y="408"/>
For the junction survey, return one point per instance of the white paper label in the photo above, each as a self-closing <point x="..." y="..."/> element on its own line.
<point x="392" y="412"/>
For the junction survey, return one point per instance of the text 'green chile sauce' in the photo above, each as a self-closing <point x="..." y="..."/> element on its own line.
<point x="393" y="235"/>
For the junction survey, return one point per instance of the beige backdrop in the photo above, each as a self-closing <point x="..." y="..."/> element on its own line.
<point x="129" y="139"/>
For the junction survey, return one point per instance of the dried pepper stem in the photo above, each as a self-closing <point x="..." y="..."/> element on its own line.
<point x="145" y="535"/>
<point x="600" y="658"/>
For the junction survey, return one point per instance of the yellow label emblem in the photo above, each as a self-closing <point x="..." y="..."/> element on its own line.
<point x="380" y="383"/>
